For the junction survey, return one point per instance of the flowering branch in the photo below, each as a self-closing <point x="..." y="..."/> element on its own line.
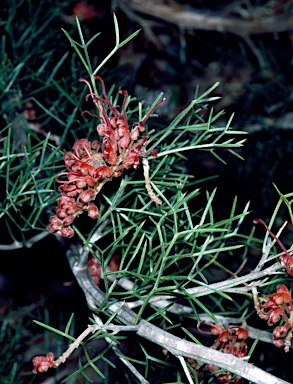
<point x="91" y="164"/>
<point x="231" y="340"/>
<point x="95" y="298"/>
<point x="43" y="363"/>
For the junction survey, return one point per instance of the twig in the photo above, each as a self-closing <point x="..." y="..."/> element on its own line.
<point x="146" y="172"/>
<point x="255" y="333"/>
<point x="228" y="286"/>
<point x="180" y="309"/>
<point x="266" y="251"/>
<point x="27" y="243"/>
<point x="256" y="303"/>
<point x="190" y="18"/>
<point x="130" y="366"/>
<point x="112" y="327"/>
<point x="225" y="286"/>
<point x="124" y="282"/>
<point x="74" y="345"/>
<point x="116" y="329"/>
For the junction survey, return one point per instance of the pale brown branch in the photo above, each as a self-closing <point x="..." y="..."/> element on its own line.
<point x="74" y="345"/>
<point x="192" y="18"/>
<point x="146" y="171"/>
<point x="189" y="18"/>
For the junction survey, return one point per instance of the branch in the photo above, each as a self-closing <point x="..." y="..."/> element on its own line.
<point x="27" y="243"/>
<point x="178" y="347"/>
<point x="228" y="286"/>
<point x="186" y="370"/>
<point x="192" y="18"/>
<point x="116" y="329"/>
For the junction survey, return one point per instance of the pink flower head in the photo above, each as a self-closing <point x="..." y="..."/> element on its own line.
<point x="275" y="315"/>
<point x="117" y="139"/>
<point x="277" y="307"/>
<point x="43" y="363"/>
<point x="90" y="164"/>
<point x="93" y="211"/>
<point x="95" y="269"/>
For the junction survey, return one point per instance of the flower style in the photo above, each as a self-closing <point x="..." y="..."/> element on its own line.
<point x="274" y="308"/>
<point x="231" y="340"/>
<point x="286" y="260"/>
<point x="91" y="164"/>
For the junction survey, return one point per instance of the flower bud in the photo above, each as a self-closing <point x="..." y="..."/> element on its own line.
<point x="93" y="211"/>
<point x="275" y="315"/>
<point x="86" y="196"/>
<point x="101" y="128"/>
<point x="68" y="220"/>
<point x="135" y="134"/>
<point x="43" y="363"/>
<point x="67" y="232"/>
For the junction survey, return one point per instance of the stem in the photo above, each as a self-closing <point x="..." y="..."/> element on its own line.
<point x="74" y="345"/>
<point x="146" y="171"/>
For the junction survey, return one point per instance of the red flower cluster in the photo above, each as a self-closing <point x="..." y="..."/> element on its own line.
<point x="274" y="308"/>
<point x="91" y="164"/>
<point x="43" y="363"/>
<point x="231" y="340"/>
<point x="286" y="260"/>
<point x="95" y="269"/>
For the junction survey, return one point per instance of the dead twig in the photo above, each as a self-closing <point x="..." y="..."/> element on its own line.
<point x="192" y="18"/>
<point x="189" y="18"/>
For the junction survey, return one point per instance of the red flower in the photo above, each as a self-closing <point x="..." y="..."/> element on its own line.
<point x="231" y="340"/>
<point x="95" y="269"/>
<point x="43" y="363"/>
<point x="90" y="164"/>
<point x="280" y="307"/>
